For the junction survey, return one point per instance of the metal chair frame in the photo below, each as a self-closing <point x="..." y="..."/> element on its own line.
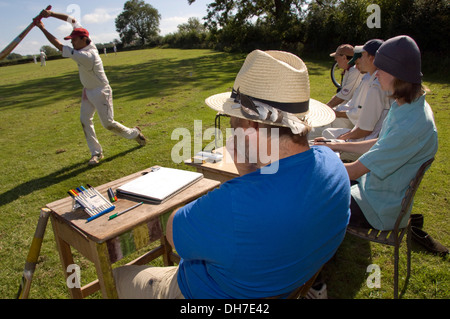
<point x="394" y="237"/>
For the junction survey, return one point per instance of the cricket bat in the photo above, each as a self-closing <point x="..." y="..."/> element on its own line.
<point x="6" y="51"/>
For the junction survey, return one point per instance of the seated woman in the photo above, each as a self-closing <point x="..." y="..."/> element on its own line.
<point x="407" y="139"/>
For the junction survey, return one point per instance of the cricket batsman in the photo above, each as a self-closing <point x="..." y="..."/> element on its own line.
<point x="97" y="93"/>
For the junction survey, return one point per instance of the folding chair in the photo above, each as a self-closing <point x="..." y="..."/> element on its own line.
<point x="302" y="291"/>
<point x="394" y="237"/>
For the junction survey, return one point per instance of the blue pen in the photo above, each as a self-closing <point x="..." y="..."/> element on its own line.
<point x="100" y="214"/>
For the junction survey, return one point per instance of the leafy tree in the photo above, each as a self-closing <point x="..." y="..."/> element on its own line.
<point x="190" y="35"/>
<point x="193" y="25"/>
<point x="321" y="25"/>
<point x="138" y="21"/>
<point x="49" y="50"/>
<point x="14" y="56"/>
<point x="275" y="12"/>
<point x="247" y="24"/>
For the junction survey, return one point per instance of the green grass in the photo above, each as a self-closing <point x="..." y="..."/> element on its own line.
<point x="44" y="153"/>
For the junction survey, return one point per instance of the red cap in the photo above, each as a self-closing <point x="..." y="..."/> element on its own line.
<point x="77" y="32"/>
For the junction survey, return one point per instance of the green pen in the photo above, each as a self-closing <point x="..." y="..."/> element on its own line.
<point x="124" y="211"/>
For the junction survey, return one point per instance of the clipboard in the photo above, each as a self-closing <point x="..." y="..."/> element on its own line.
<point x="158" y="185"/>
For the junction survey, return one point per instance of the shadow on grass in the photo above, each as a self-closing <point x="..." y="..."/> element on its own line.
<point x="162" y="76"/>
<point x="39" y="92"/>
<point x="345" y="273"/>
<point x="53" y="178"/>
<point x="135" y="81"/>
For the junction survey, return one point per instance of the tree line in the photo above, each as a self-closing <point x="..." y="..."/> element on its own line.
<point x="298" y="26"/>
<point x="293" y="25"/>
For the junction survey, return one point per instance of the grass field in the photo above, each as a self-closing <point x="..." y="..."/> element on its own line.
<point x="44" y="154"/>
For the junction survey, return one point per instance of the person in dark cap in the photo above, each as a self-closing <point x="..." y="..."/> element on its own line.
<point x="97" y="93"/>
<point x="408" y="138"/>
<point x="357" y="79"/>
<point x="373" y="105"/>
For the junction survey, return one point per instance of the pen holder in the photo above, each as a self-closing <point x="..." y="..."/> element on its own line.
<point x="75" y="205"/>
<point x="91" y="201"/>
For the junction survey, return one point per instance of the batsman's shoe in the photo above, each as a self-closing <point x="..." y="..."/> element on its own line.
<point x="140" y="138"/>
<point x="95" y="159"/>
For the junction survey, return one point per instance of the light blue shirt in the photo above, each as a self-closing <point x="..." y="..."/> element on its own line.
<point x="407" y="139"/>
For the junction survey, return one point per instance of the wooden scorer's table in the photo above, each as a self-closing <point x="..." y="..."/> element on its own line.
<point x="105" y="242"/>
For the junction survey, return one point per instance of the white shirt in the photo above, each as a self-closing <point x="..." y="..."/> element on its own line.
<point x="374" y="109"/>
<point x="351" y="80"/>
<point x="90" y="65"/>
<point x="353" y="107"/>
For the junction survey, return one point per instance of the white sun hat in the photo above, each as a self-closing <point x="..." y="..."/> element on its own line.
<point x="273" y="87"/>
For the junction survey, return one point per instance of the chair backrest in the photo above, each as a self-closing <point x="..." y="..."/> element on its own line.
<point x="411" y="191"/>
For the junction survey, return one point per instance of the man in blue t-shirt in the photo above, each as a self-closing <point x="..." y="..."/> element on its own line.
<point x="267" y="232"/>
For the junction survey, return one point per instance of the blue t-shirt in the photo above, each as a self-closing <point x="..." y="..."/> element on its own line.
<point x="262" y="235"/>
<point x="407" y="139"/>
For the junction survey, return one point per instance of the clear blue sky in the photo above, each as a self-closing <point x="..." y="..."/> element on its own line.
<point x="96" y="15"/>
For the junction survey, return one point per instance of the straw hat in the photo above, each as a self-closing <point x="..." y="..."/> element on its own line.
<point x="272" y="87"/>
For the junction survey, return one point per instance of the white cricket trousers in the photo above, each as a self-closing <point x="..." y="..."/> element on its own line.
<point x="100" y="100"/>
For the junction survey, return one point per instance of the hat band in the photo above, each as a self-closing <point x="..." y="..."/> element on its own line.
<point x="257" y="110"/>
<point x="295" y="108"/>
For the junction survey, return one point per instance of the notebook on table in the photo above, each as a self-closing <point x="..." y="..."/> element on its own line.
<point x="158" y="185"/>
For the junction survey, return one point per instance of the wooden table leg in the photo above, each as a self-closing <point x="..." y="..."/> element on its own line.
<point x="104" y="271"/>
<point x="65" y="254"/>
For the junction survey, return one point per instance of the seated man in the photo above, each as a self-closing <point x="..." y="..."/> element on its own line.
<point x="351" y="75"/>
<point x="347" y="112"/>
<point x="373" y="107"/>
<point x="265" y="233"/>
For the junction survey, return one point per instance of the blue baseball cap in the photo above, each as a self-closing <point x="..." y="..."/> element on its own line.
<point x="370" y="47"/>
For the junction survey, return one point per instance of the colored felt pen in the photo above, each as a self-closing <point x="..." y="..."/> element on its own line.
<point x="72" y="193"/>
<point x="124" y="211"/>
<point x="111" y="195"/>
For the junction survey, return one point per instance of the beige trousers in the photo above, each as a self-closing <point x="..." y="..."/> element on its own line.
<point x="100" y="100"/>
<point x="146" y="282"/>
